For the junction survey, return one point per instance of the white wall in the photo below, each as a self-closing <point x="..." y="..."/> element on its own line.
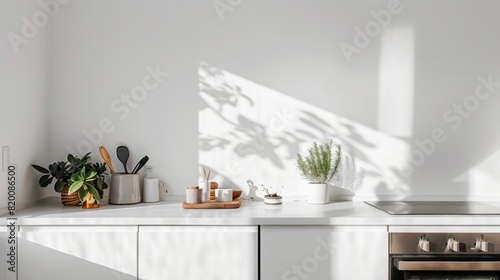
<point x="230" y="79"/>
<point x="23" y="87"/>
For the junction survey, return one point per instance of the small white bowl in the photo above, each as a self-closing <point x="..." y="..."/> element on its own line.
<point x="272" y="199"/>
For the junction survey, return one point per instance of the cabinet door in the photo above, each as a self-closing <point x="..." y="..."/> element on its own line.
<point x="4" y="250"/>
<point x="324" y="252"/>
<point x="78" y="252"/>
<point x="198" y="252"/>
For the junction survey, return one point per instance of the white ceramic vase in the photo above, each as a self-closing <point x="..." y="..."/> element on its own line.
<point x="317" y="193"/>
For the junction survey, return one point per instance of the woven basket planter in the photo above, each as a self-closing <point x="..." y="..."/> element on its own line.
<point x="69" y="200"/>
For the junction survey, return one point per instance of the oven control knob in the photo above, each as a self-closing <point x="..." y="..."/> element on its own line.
<point x="481" y="245"/>
<point x="423" y="244"/>
<point x="453" y="245"/>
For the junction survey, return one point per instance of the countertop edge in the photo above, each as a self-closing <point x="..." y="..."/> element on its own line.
<point x="49" y="212"/>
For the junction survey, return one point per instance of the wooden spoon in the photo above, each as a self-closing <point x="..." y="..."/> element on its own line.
<point x="107" y="159"/>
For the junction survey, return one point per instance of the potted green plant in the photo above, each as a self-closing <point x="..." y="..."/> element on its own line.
<point x="318" y="168"/>
<point x="89" y="184"/>
<point x="62" y="171"/>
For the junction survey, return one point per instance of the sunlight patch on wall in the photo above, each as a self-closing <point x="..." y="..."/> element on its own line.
<point x="250" y="135"/>
<point x="482" y="176"/>
<point x="397" y="82"/>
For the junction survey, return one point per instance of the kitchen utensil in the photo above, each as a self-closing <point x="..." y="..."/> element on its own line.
<point x="107" y="159"/>
<point x="140" y="164"/>
<point x="123" y="154"/>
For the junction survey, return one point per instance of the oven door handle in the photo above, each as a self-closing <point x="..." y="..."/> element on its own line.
<point x="447" y="265"/>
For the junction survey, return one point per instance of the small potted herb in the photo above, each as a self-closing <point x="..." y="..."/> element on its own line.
<point x="318" y="168"/>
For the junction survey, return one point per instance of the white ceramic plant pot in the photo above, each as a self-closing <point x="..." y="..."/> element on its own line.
<point x="317" y="193"/>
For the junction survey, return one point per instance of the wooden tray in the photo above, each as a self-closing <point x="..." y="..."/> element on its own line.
<point x="214" y="205"/>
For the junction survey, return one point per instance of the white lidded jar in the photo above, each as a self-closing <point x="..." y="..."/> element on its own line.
<point x="150" y="187"/>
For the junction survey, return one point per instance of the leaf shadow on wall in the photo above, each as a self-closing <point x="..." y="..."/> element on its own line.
<point x="250" y="132"/>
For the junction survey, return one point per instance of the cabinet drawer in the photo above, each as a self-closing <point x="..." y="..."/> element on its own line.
<point x="198" y="252"/>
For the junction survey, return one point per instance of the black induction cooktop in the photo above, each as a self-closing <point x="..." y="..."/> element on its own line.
<point x="435" y="207"/>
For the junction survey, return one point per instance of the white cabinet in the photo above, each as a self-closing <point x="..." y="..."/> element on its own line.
<point x="78" y="252"/>
<point x="324" y="252"/>
<point x="4" y="249"/>
<point x="198" y="252"/>
<point x="202" y="252"/>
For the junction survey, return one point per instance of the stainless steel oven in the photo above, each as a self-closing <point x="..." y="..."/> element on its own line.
<point x="440" y="256"/>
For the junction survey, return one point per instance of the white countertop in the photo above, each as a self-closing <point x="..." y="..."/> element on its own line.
<point x="50" y="212"/>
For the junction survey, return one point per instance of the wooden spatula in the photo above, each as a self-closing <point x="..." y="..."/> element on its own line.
<point x="107" y="159"/>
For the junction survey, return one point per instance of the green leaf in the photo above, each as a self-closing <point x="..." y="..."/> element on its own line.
<point x="338" y="160"/>
<point x="86" y="157"/>
<point x="74" y="187"/>
<point x="71" y="160"/>
<point x="40" y="169"/>
<point x="44" y="181"/>
<point x="59" y="186"/>
<point x="82" y="193"/>
<point x="92" y="176"/>
<point x="99" y="182"/>
<point x="94" y="192"/>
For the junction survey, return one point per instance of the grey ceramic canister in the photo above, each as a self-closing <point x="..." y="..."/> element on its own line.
<point x="125" y="189"/>
<point x="194" y="195"/>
